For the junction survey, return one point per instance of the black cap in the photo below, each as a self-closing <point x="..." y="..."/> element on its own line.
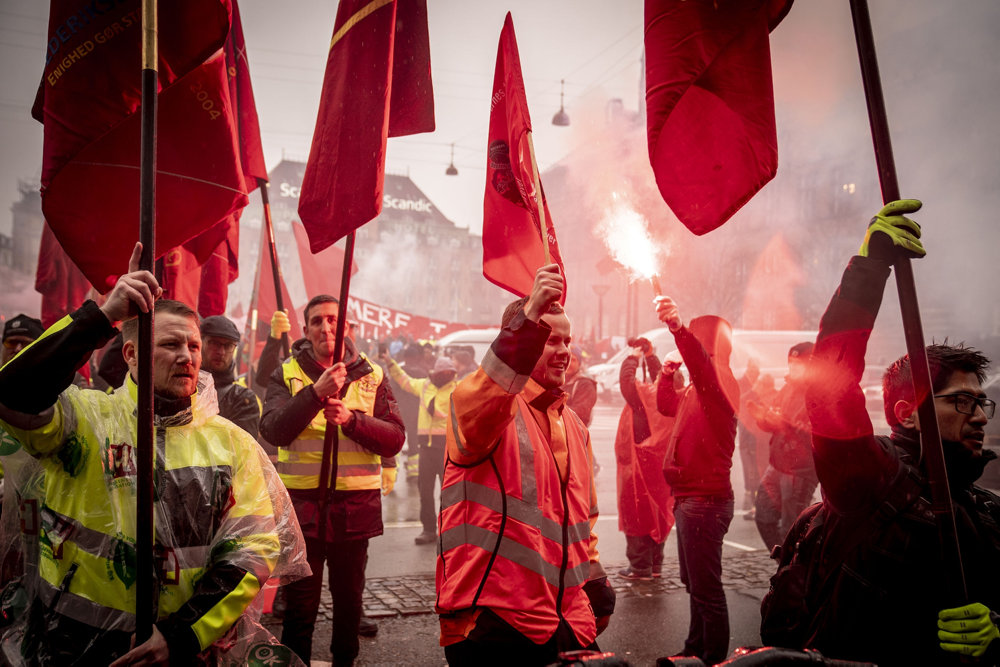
<point x="221" y="327"/>
<point x="800" y="350"/>
<point x="22" y="325"/>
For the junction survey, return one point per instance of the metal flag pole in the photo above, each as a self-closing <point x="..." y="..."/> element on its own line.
<point x="930" y="437"/>
<point x="145" y="601"/>
<point x="331" y="440"/>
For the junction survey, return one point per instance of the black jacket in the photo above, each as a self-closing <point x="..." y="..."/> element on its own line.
<point x="237" y="403"/>
<point x="350" y="514"/>
<point x="885" y="608"/>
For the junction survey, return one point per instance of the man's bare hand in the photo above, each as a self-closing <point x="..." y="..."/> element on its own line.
<point x="135" y="292"/>
<point x="668" y="313"/>
<point x="154" y="651"/>
<point x="336" y="412"/>
<point x="548" y="289"/>
<point x="331" y="381"/>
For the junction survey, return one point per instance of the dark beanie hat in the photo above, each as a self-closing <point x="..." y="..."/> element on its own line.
<point x="220" y="326"/>
<point x="800" y="350"/>
<point x="22" y="325"/>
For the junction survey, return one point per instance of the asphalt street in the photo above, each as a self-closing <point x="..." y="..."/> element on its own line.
<point x="650" y="620"/>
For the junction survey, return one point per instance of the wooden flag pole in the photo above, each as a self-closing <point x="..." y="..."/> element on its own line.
<point x="273" y="253"/>
<point x="930" y="437"/>
<point x="543" y="228"/>
<point x="146" y="577"/>
<point x="331" y="439"/>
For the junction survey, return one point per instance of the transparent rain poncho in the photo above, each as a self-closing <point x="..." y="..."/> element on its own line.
<point x="224" y="525"/>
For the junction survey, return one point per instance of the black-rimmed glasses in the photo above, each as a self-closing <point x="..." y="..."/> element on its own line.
<point x="966" y="403"/>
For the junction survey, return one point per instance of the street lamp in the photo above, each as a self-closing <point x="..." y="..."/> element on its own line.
<point x="600" y="291"/>
<point x="561" y="118"/>
<point x="451" y="170"/>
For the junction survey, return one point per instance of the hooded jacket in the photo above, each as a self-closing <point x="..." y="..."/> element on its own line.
<point x="700" y="455"/>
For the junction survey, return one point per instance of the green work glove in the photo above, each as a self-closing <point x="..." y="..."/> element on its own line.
<point x="967" y="630"/>
<point x="890" y="227"/>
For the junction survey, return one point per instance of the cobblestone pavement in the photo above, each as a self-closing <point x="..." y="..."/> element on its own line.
<point x="388" y="597"/>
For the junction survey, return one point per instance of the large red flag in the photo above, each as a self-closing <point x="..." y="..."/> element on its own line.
<point x="88" y="99"/>
<point x="321" y="272"/>
<point x="343" y="182"/>
<point x="62" y="286"/>
<point x="710" y="104"/>
<point x="204" y="267"/>
<point x="512" y="237"/>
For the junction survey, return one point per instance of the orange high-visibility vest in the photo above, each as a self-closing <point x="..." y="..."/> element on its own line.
<point x="515" y="537"/>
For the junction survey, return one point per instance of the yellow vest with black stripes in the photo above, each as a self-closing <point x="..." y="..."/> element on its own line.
<point x="300" y="462"/>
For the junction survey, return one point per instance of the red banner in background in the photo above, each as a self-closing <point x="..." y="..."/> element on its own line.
<point x="376" y="321"/>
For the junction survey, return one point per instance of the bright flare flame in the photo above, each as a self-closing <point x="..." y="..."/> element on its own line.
<point x="626" y="235"/>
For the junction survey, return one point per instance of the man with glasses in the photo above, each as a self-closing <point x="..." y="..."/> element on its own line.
<point x="886" y="598"/>
<point x="237" y="403"/>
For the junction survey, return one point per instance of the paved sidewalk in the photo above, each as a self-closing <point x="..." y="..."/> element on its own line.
<point x="410" y="595"/>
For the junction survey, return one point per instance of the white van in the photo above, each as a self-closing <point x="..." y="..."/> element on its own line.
<point x="768" y="348"/>
<point x="479" y="339"/>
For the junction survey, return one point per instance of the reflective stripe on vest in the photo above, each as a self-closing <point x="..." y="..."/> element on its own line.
<point x="299" y="464"/>
<point x="502" y="549"/>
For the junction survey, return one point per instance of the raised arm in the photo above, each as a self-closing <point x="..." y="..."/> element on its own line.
<point x="483" y="403"/>
<point x="850" y="463"/>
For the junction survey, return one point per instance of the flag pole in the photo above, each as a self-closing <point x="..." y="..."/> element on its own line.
<point x="275" y="269"/>
<point x="146" y="579"/>
<point x="331" y="440"/>
<point x="930" y="437"/>
<point x="543" y="228"/>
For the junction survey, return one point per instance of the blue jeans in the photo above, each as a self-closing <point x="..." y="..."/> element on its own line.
<point x="701" y="524"/>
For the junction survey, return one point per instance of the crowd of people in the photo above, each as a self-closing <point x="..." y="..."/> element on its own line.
<point x="243" y="500"/>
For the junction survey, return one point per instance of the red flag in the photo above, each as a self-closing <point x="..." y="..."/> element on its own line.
<point x="354" y="113"/>
<point x="216" y="251"/>
<point x="62" y="286"/>
<point x="262" y="306"/>
<point x="512" y="238"/>
<point x="321" y="272"/>
<point x="88" y="99"/>
<point x="202" y="285"/>
<point x="710" y="104"/>
<point x="241" y="94"/>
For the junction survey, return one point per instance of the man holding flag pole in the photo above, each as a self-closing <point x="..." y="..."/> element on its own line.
<point x="519" y="577"/>
<point x="377" y="84"/>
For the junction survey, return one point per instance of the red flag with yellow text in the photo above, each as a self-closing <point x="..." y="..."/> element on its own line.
<point x="710" y="104"/>
<point x="88" y="101"/>
<point x="199" y="272"/>
<point x="513" y="249"/>
<point x="377" y="84"/>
